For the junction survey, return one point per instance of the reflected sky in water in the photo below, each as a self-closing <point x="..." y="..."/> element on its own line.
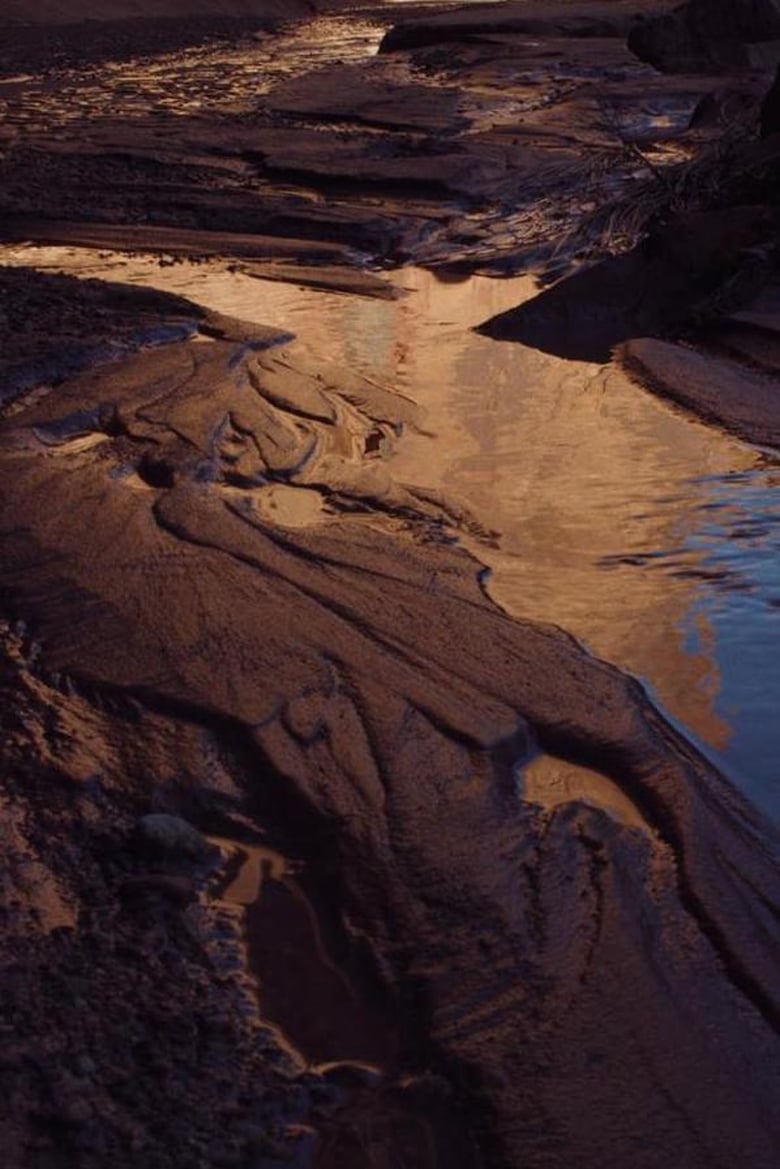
<point x="737" y="619"/>
<point x="650" y="537"/>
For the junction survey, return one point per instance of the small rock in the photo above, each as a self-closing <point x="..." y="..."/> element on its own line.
<point x="705" y="35"/>
<point x="170" y="838"/>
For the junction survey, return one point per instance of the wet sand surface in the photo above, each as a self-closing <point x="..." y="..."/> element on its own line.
<point x="468" y="895"/>
<point x="647" y="535"/>
<point x="471" y="155"/>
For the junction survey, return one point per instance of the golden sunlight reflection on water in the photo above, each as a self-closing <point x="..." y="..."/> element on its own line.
<point x="596" y="490"/>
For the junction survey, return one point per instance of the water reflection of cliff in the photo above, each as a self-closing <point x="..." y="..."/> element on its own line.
<point x="582" y="475"/>
<point x="585" y="478"/>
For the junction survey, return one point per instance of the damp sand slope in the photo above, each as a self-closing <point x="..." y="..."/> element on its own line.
<point x="572" y="986"/>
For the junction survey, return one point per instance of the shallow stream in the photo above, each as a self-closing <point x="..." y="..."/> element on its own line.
<point x="652" y="538"/>
<point x="649" y="536"/>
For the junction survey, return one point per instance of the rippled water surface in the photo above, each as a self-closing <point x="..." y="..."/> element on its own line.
<point x="652" y="538"/>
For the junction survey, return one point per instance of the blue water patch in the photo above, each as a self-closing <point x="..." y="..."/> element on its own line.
<point x="736" y="553"/>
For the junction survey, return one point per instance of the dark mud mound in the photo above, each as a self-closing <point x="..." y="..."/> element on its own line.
<point x="743" y="401"/>
<point x="677" y="274"/>
<point x="233" y="611"/>
<point x="517" y="20"/>
<point x="584" y="317"/>
<point x="728" y="372"/>
<point x="53" y="326"/>
<point x="692" y="314"/>
<point x="708" y="36"/>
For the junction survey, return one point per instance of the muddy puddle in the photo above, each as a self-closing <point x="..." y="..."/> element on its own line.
<point x="312" y="1002"/>
<point x="334" y="1025"/>
<point x="649" y="536"/>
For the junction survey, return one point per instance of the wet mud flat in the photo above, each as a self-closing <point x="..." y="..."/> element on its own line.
<point x="299" y="907"/>
<point x="357" y="670"/>
<point x="482" y="151"/>
<point x="49" y="36"/>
